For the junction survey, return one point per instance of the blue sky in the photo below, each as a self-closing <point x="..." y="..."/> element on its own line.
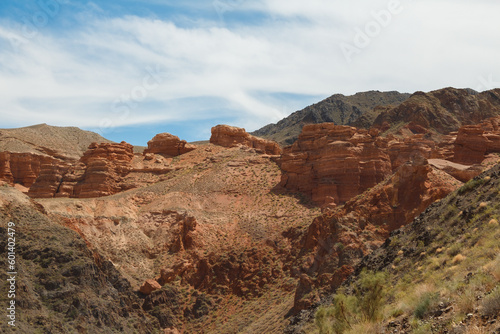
<point x="131" y="69"/>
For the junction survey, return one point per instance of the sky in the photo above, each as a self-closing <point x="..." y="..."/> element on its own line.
<point x="131" y="69"/>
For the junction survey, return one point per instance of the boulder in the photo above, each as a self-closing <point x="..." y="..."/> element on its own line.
<point x="231" y="136"/>
<point x="169" y="145"/>
<point x="149" y="286"/>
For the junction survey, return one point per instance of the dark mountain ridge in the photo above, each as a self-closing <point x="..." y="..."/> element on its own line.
<point x="338" y="108"/>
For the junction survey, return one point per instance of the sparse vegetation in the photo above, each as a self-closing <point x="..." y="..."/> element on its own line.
<point x="352" y="312"/>
<point x="455" y="268"/>
<point x="491" y="303"/>
<point x="472" y="184"/>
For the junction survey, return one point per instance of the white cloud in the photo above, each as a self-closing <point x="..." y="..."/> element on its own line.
<point x="80" y="77"/>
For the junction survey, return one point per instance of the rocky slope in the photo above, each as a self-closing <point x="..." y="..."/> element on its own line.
<point x="216" y="230"/>
<point x="337" y="240"/>
<point x="339" y="109"/>
<point x="441" y="272"/>
<point x="62" y="284"/>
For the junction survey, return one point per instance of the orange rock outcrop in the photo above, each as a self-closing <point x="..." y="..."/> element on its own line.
<point x="23" y="168"/>
<point x="167" y="144"/>
<point x="230" y="136"/>
<point x="334" y="163"/>
<point x="98" y="173"/>
<point x="338" y="239"/>
<point x="474" y="142"/>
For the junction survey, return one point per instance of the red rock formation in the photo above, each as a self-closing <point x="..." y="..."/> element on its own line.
<point x="22" y="168"/>
<point x="403" y="150"/>
<point x="474" y="142"/>
<point x="49" y="181"/>
<point x="243" y="273"/>
<point x="105" y="164"/>
<point x="230" y="136"/>
<point x="5" y="172"/>
<point x="98" y="173"/>
<point x="460" y="172"/>
<point x="334" y="163"/>
<point x="167" y="144"/>
<point x="338" y="239"/>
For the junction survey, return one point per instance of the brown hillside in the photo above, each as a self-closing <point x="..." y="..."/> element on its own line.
<point x="43" y="139"/>
<point x="339" y="109"/>
<point x="441" y="111"/>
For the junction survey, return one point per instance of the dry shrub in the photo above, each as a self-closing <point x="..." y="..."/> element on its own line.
<point x="493" y="222"/>
<point x="491" y="303"/>
<point x="475" y="330"/>
<point x="425" y="297"/>
<point x="466" y="301"/>
<point x="493" y="268"/>
<point x="458" y="258"/>
<point x="366" y="328"/>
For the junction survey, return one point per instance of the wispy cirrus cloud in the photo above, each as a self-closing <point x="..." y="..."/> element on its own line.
<point x="96" y="73"/>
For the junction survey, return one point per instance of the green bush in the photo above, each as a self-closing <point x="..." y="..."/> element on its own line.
<point x="323" y="319"/>
<point x="371" y="294"/>
<point x="424" y="304"/>
<point x="339" y="317"/>
<point x="347" y="311"/>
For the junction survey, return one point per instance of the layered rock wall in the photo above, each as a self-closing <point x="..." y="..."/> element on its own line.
<point x="474" y="142"/>
<point x="98" y="173"/>
<point x="23" y="168"/>
<point x="338" y="239"/>
<point x="334" y="163"/>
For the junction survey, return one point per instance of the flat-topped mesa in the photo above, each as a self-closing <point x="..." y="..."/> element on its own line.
<point x="474" y="142"/>
<point x="169" y="145"/>
<point x="333" y="163"/>
<point x="98" y="173"/>
<point x="230" y="136"/>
